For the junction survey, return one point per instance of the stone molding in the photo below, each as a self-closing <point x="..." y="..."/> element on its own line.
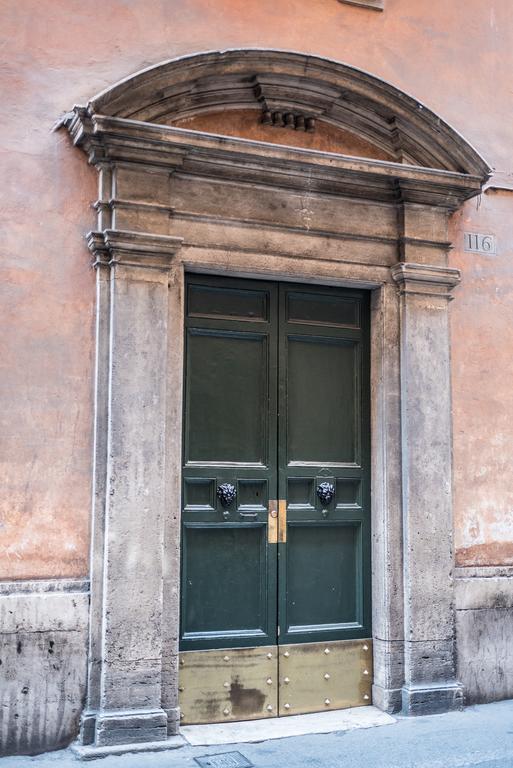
<point x="376" y="5"/>
<point x="425" y="280"/>
<point x="43" y="586"/>
<point x="133" y="249"/>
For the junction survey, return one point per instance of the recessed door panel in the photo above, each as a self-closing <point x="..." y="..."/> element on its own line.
<point x="226" y="389"/>
<point x="321" y="577"/>
<point x="224" y="595"/>
<point x="321" y="400"/>
<point x="324" y="308"/>
<point x="227" y="303"/>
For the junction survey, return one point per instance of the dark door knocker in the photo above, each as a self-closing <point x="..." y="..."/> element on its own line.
<point x="325" y="492"/>
<point x="226" y="494"/>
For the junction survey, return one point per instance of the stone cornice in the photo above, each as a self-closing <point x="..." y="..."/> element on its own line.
<point x="376" y="5"/>
<point x="119" y="140"/>
<point x="425" y="279"/>
<point x="133" y="249"/>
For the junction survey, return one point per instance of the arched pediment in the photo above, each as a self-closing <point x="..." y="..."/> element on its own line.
<point x="296" y="91"/>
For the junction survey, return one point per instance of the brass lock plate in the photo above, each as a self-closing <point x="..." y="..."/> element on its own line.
<point x="277" y="522"/>
<point x="317" y="677"/>
<point x="230" y="684"/>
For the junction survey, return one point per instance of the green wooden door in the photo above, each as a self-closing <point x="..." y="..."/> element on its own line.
<point x="324" y="563"/>
<point x="276" y="494"/>
<point x="229" y="569"/>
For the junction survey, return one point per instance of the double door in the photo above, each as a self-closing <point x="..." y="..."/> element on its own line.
<point x="275" y="586"/>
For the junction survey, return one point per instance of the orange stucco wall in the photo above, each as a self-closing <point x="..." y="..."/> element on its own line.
<point x="456" y="57"/>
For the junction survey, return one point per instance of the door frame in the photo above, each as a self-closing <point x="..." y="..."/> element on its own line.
<point x="389" y="463"/>
<point x="339" y="221"/>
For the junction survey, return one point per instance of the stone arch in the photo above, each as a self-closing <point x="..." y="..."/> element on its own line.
<point x="300" y="88"/>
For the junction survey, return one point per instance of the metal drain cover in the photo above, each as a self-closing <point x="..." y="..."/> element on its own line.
<point x="225" y="760"/>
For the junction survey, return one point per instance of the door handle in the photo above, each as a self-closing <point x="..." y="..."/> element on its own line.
<point x="248" y="515"/>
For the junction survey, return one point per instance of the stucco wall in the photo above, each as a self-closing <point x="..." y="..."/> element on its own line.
<point x="59" y="53"/>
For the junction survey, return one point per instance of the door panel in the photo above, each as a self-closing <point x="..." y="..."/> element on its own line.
<point x="318" y="307"/>
<point x="317" y="593"/>
<point x="215" y="580"/>
<point x="226" y="389"/>
<point x="321" y="400"/>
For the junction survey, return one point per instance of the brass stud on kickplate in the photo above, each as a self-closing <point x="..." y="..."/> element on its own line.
<point x="269" y="681"/>
<point x="182" y="715"/>
<point x="226" y="685"/>
<point x="269" y="707"/>
<point x="269" y="655"/>
<point x="226" y="658"/>
<point x="180" y="688"/>
<point x="326" y="651"/>
<point x="226" y="711"/>
<point x="365" y="647"/>
<point x="327" y="702"/>
<point x="365" y="671"/>
<point x="366" y="697"/>
<point x="286" y="654"/>
<point x="286" y="706"/>
<point x="286" y="680"/>
<point x="326" y="676"/>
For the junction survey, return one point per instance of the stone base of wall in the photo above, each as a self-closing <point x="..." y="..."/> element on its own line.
<point x="43" y="658"/>
<point x="43" y="653"/>
<point x="484" y="632"/>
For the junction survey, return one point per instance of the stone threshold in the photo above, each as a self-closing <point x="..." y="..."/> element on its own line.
<point x="249" y="731"/>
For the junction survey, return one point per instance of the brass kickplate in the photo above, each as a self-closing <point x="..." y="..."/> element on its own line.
<point x="224" y="760"/>
<point x="318" y="677"/>
<point x="227" y="685"/>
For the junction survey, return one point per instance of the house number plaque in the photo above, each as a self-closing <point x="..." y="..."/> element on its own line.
<point x="476" y="243"/>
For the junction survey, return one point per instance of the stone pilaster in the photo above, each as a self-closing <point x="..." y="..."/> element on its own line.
<point x="125" y="700"/>
<point x="430" y="682"/>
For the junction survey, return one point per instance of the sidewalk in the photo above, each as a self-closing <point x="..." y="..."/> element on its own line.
<point x="481" y="737"/>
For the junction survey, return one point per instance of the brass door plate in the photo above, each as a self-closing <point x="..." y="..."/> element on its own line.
<point x="317" y="677"/>
<point x="272" y="522"/>
<point x="277" y="522"/>
<point x="230" y="684"/>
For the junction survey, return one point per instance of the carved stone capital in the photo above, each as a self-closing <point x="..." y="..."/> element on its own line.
<point x="425" y="280"/>
<point x="133" y="249"/>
